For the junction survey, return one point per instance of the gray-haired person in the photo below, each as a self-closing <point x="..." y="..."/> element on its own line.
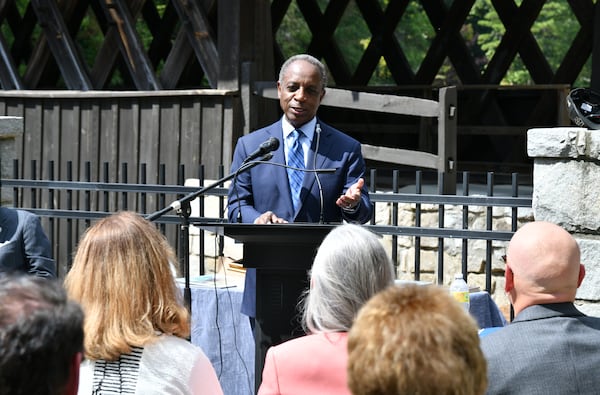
<point x="351" y="265"/>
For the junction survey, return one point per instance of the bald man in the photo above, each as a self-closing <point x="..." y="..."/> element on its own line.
<point x="550" y="347"/>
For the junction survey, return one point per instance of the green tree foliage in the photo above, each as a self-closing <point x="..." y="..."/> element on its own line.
<point x="554" y="30"/>
<point x="482" y="32"/>
<point x="552" y="33"/>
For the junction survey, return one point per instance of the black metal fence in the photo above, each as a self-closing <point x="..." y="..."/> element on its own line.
<point x="67" y="207"/>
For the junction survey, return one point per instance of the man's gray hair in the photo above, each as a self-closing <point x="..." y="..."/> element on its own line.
<point x="350" y="267"/>
<point x="307" y="58"/>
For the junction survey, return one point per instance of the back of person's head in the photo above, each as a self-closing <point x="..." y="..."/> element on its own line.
<point x="415" y="339"/>
<point x="351" y="265"/>
<point x="123" y="279"/>
<point x="41" y="337"/>
<point x="542" y="265"/>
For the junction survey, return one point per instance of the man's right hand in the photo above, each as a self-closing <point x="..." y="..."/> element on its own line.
<point x="269" y="218"/>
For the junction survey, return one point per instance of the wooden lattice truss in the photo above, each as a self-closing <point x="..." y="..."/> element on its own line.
<point x="183" y="51"/>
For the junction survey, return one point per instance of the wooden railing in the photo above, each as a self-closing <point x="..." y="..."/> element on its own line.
<point x="443" y="111"/>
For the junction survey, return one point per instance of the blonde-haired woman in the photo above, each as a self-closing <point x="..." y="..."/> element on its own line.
<point x="135" y="324"/>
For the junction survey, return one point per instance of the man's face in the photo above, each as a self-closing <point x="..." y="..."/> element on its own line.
<point x="300" y="92"/>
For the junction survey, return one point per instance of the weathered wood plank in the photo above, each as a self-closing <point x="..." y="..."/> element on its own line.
<point x="400" y="156"/>
<point x="129" y="135"/>
<point x="229" y="42"/>
<point x="149" y="146"/>
<point x="87" y="147"/>
<point x="108" y="147"/>
<point x="63" y="94"/>
<point x="211" y="138"/>
<point x="190" y="135"/>
<point x="363" y="101"/>
<point x="170" y="136"/>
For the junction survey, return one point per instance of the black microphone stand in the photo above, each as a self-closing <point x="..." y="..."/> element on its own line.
<point x="183" y="209"/>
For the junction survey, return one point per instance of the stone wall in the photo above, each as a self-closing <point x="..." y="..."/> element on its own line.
<point x="566" y="181"/>
<point x="10" y="129"/>
<point x="476" y="249"/>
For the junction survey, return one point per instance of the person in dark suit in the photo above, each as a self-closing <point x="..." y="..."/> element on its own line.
<point x="264" y="194"/>
<point x="24" y="247"/>
<point x="550" y="347"/>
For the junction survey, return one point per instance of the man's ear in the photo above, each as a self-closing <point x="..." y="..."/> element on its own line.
<point x="581" y="275"/>
<point x="73" y="381"/>
<point x="509" y="283"/>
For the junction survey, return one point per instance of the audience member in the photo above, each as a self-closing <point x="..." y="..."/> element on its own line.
<point x="415" y="339"/>
<point x="550" y="347"/>
<point x="24" y="246"/>
<point x="41" y="337"/>
<point x="136" y="325"/>
<point x="351" y="265"/>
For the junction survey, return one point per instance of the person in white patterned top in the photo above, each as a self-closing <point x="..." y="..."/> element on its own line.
<point x="136" y="324"/>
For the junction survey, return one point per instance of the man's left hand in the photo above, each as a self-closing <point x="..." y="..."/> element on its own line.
<point x="351" y="199"/>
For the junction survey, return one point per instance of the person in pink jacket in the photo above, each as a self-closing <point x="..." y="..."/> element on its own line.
<point x="350" y="267"/>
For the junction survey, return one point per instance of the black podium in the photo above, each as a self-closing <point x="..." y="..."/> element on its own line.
<point x="282" y="254"/>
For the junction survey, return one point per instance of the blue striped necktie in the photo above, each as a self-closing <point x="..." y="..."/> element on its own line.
<point x="295" y="159"/>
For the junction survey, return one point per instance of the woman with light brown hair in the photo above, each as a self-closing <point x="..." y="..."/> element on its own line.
<point x="135" y="324"/>
<point x="415" y="339"/>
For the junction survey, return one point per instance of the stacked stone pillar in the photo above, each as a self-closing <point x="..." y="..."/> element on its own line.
<point x="566" y="191"/>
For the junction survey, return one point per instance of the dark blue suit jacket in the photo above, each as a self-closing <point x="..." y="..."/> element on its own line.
<point x="24" y="246"/>
<point x="265" y="186"/>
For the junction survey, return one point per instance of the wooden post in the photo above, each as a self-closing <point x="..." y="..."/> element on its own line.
<point x="447" y="138"/>
<point x="595" y="82"/>
<point x="10" y="129"/>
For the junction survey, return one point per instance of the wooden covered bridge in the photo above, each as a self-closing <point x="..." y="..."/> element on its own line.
<point x="177" y="81"/>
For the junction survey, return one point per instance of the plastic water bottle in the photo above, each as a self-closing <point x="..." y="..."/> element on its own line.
<point x="460" y="290"/>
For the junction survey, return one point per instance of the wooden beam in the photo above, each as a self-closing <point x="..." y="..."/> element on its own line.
<point x="595" y="83"/>
<point x="66" y="55"/>
<point x="175" y="63"/>
<point x="130" y="45"/>
<point x="9" y="75"/>
<point x="229" y="16"/>
<point x="201" y="37"/>
<point x="106" y="57"/>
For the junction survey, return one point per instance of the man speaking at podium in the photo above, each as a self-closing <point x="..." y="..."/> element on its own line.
<point x="271" y="193"/>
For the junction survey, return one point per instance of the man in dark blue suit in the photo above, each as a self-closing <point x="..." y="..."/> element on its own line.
<point x="263" y="195"/>
<point x="24" y="246"/>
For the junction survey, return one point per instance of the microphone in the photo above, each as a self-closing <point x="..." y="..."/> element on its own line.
<point x="270" y="145"/>
<point x="246" y="165"/>
<point x="318" y="131"/>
